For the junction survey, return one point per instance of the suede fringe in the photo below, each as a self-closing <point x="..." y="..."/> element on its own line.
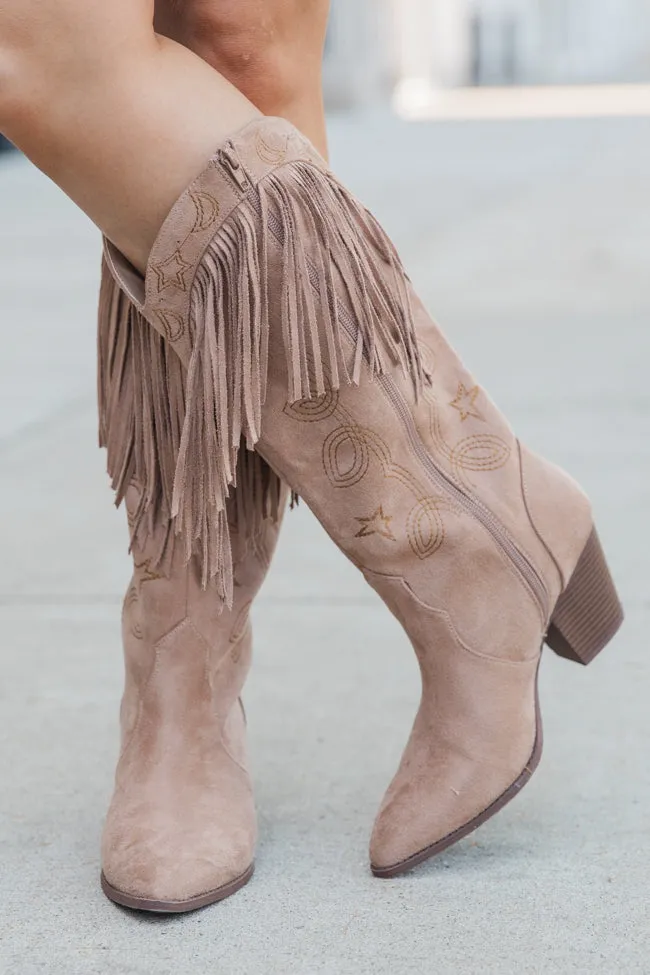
<point x="141" y="394"/>
<point x="339" y="272"/>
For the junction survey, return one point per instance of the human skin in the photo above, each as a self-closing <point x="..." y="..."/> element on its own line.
<point x="272" y="51"/>
<point x="120" y="117"/>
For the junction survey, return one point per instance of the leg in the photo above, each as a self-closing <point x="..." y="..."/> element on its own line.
<point x="277" y="62"/>
<point x="301" y="331"/>
<point x="275" y="59"/>
<point x="273" y="54"/>
<point x="120" y="118"/>
<point x="209" y="817"/>
<point x="282" y="71"/>
<point x="87" y="89"/>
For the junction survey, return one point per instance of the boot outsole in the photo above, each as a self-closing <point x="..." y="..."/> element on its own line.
<point x="176" y="907"/>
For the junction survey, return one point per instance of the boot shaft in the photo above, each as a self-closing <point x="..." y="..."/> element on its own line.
<point x="416" y="471"/>
<point x="142" y="387"/>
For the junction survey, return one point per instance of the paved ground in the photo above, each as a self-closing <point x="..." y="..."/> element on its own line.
<point x="532" y="242"/>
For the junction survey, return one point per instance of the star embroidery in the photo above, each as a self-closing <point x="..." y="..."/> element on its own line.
<point x="376" y="524"/>
<point x="148" y="575"/>
<point x="172" y="271"/>
<point x="465" y="402"/>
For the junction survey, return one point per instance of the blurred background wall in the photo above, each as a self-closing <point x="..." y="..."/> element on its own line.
<point x="378" y="46"/>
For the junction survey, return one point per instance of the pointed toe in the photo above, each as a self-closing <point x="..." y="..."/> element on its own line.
<point x="186" y="886"/>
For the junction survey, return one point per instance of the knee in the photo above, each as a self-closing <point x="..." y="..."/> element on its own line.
<point x="270" y="59"/>
<point x="263" y="70"/>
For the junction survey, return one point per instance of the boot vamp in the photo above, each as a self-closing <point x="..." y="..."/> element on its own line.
<point x="473" y="737"/>
<point x="182" y="819"/>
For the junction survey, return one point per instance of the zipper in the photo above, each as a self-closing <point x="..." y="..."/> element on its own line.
<point x="234" y="168"/>
<point x="470" y="504"/>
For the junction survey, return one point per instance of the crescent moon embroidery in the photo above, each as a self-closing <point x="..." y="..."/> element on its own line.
<point x="271" y="154"/>
<point x="172" y="325"/>
<point x="207" y="211"/>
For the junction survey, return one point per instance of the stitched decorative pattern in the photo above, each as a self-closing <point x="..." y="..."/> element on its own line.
<point x="206" y="204"/>
<point x="207" y="210"/>
<point x="425" y="528"/>
<point x="172" y="325"/>
<point x="346" y="456"/>
<point x="238" y="630"/>
<point x="478" y="453"/>
<point x="483" y="452"/>
<point x="272" y="154"/>
<point x="172" y="272"/>
<point x="366" y="442"/>
<point x="131" y="601"/>
<point x="428" y="358"/>
<point x="148" y="574"/>
<point x="311" y="411"/>
<point x="377" y="523"/>
<point x="465" y="403"/>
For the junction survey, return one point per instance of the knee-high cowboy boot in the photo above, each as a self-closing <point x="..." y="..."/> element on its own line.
<point x="301" y="331"/>
<point x="181" y="828"/>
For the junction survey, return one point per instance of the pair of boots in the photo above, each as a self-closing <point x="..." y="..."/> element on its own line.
<point x="276" y="336"/>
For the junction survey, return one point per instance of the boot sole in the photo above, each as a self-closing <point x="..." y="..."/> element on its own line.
<point x="176" y="907"/>
<point x="586" y="617"/>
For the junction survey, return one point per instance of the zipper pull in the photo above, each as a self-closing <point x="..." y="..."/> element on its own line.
<point x="234" y="168"/>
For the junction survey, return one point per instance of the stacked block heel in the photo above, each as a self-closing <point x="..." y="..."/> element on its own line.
<point x="588" y="613"/>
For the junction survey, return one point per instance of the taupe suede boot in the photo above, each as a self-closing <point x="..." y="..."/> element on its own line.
<point x="181" y="828"/>
<point x="301" y="331"/>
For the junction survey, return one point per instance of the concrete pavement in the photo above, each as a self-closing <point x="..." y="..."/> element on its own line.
<point x="532" y="242"/>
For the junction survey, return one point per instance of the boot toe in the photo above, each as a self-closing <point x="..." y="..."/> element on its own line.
<point x="161" y="875"/>
<point x="415" y="823"/>
<point x="404" y="835"/>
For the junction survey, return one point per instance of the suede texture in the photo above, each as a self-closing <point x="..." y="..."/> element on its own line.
<point x="182" y="819"/>
<point x="467" y="537"/>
